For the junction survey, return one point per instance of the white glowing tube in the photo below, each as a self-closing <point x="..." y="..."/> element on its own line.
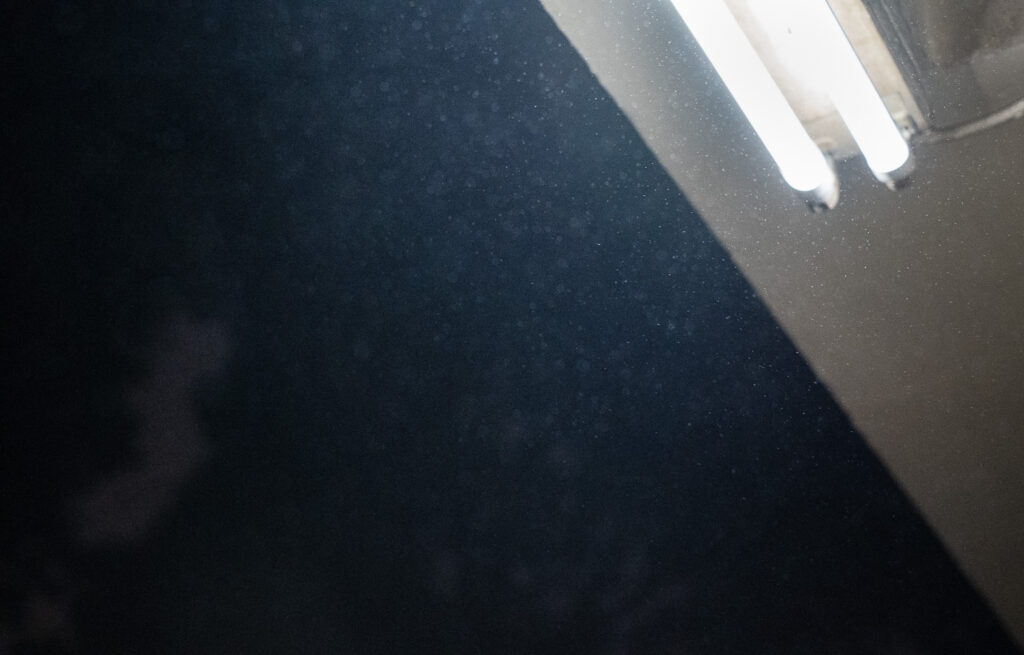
<point x="802" y="164"/>
<point x="830" y="61"/>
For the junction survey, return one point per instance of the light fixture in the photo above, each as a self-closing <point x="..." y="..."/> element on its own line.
<point x="821" y="54"/>
<point x="801" y="163"/>
<point x="824" y="56"/>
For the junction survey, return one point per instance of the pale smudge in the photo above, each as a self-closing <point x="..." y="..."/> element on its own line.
<point x="170" y="446"/>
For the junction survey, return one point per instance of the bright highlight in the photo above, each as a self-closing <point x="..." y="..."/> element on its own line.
<point x="828" y="60"/>
<point x="802" y="164"/>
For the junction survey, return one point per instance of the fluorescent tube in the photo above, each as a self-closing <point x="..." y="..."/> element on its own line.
<point x="802" y="164"/>
<point x="829" y="60"/>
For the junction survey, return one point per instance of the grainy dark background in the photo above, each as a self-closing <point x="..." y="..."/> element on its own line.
<point x="374" y="327"/>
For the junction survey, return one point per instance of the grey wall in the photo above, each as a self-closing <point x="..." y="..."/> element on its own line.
<point x="909" y="306"/>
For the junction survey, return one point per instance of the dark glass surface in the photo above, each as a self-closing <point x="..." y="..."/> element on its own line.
<point x="492" y="385"/>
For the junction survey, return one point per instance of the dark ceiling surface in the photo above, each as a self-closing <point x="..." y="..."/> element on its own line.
<point x="492" y="384"/>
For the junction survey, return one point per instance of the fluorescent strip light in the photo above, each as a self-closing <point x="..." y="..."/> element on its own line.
<point x="824" y="52"/>
<point x="802" y="164"/>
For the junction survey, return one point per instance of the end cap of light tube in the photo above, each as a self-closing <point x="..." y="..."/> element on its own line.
<point x="899" y="178"/>
<point x="825" y="195"/>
